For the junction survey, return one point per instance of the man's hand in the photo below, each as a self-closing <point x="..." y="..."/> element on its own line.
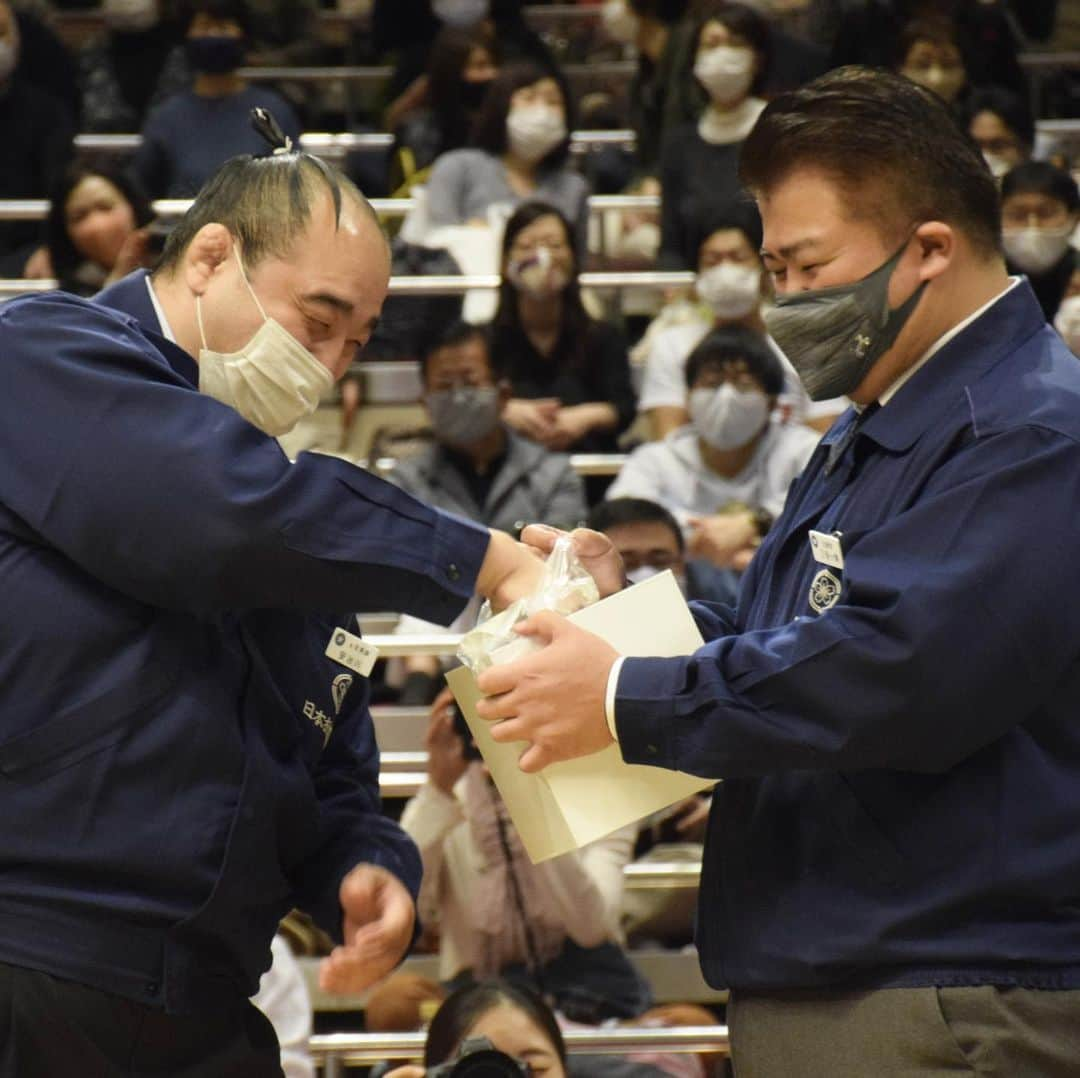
<point x="509" y="572"/>
<point x="554" y="698"/>
<point x="728" y="540"/>
<point x="446" y="753"/>
<point x="377" y="929"/>
<point x="533" y="418"/>
<point x="595" y="551"/>
<point x="410" y="1070"/>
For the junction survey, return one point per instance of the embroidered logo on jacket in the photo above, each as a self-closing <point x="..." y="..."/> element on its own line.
<point x="338" y="688"/>
<point x="824" y="590"/>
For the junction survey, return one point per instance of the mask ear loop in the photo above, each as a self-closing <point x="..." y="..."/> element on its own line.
<point x="247" y="283"/>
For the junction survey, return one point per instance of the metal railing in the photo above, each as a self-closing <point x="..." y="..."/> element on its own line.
<point x="334" y="1050"/>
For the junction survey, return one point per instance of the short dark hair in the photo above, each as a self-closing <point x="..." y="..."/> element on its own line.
<point x="859" y="123"/>
<point x="456" y="333"/>
<point x="65" y="258"/>
<point x="740" y="20"/>
<point x="490" y="131"/>
<point x="236" y="11"/>
<point x="619" y="511"/>
<point x="740" y="214"/>
<point x="266" y="202"/>
<point x="1041" y="178"/>
<point x="446" y="65"/>
<point x="734" y="342"/>
<point x="666" y="11"/>
<point x="461" y="1010"/>
<point x="936" y="29"/>
<point x="1011" y="108"/>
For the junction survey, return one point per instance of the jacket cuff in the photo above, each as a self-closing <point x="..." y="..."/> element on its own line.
<point x="645" y="709"/>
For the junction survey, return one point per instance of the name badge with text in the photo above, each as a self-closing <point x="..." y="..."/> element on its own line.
<point x="351" y="651"/>
<point x="826" y="549"/>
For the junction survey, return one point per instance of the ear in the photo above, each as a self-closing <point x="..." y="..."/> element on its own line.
<point x="937" y="244"/>
<point x="209" y="250"/>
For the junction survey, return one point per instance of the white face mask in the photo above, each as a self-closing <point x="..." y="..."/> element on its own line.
<point x="130" y="15"/>
<point x="459" y="12"/>
<point x="726" y="417"/>
<point x="647" y="572"/>
<point x="273" y="381"/>
<point x="537" y="274"/>
<point x="620" y="23"/>
<point x="726" y="72"/>
<point x="533" y="131"/>
<point x="1067" y="323"/>
<point x="997" y="165"/>
<point x="731" y="290"/>
<point x="9" y="58"/>
<point x="1035" y="250"/>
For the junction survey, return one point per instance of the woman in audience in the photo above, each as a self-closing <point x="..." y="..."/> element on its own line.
<point x="519" y="151"/>
<point x="460" y="71"/>
<point x="1003" y="127"/>
<point x="699" y="161"/>
<point x="96" y="229"/>
<point x="554" y="925"/>
<point x="188" y="137"/>
<point x="569" y="375"/>
<point x="1040" y="209"/>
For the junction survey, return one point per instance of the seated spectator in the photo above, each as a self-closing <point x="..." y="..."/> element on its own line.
<point x="699" y="161"/>
<point x="478" y="467"/>
<point x="188" y="137"/>
<point x="725" y="475"/>
<point x="126" y="69"/>
<point x="1040" y="209"/>
<point x="519" y="151"/>
<point x="37" y="130"/>
<point x="283" y="998"/>
<point x="649" y="540"/>
<point x="929" y="54"/>
<point x="1067" y="319"/>
<point x="1003" y="127"/>
<point x="461" y="69"/>
<point x="44" y="60"/>
<point x="569" y="375"/>
<point x="553" y="924"/>
<point x="729" y="287"/>
<point x="97" y="229"/>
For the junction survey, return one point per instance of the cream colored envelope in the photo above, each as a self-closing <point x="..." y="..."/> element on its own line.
<point x="572" y="803"/>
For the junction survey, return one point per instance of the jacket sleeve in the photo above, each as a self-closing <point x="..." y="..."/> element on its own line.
<point x="352" y="828"/>
<point x="616" y="386"/>
<point x="446" y="190"/>
<point x="173" y="499"/>
<point x="957" y="620"/>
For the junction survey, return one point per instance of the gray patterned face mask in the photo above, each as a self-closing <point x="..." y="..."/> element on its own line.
<point x="463" y="415"/>
<point x="833" y="336"/>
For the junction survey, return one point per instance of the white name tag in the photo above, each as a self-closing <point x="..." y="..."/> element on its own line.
<point x="826" y="549"/>
<point x="352" y="652"/>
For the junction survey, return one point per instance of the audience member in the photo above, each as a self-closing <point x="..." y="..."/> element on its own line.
<point x="126" y="69"/>
<point x="283" y="998"/>
<point x="478" y="467"/>
<point x="725" y="475"/>
<point x="45" y="61"/>
<point x="461" y="68"/>
<point x="569" y="374"/>
<point x="37" y="130"/>
<point x="698" y="162"/>
<point x="519" y="151"/>
<point x="96" y="229"/>
<point x="729" y="288"/>
<point x="1067" y="319"/>
<point x="189" y="136"/>
<point x="1003" y="127"/>
<point x="929" y="54"/>
<point x="649" y="540"/>
<point x="1040" y="209"/>
<point x="553" y="925"/>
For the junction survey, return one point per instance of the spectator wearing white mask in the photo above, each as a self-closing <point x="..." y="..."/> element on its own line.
<point x="1040" y="210"/>
<point x="1002" y="126"/>
<point x="519" y="152"/>
<point x="725" y="475"/>
<point x="729" y="288"/>
<point x="699" y="161"/>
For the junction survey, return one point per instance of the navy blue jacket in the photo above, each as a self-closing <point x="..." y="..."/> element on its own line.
<point x="901" y="803"/>
<point x="169" y="788"/>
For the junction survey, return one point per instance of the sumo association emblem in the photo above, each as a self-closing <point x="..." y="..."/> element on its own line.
<point x="824" y="590"/>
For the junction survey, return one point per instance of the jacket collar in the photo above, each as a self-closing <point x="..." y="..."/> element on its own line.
<point x="130" y="296"/>
<point x="931" y="391"/>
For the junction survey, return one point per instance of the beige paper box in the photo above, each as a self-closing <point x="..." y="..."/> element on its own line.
<point x="572" y="803"/>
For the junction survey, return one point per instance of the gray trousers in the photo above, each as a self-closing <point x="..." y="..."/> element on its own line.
<point x="907" y="1033"/>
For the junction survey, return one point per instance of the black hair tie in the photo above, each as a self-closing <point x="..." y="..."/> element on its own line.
<point x="265" y="124"/>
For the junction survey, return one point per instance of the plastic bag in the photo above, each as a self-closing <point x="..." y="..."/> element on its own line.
<point x="566" y="586"/>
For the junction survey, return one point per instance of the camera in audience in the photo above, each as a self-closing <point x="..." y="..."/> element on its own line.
<point x="479" y="1058"/>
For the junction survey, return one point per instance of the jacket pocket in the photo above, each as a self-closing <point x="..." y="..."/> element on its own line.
<point x="81" y="731"/>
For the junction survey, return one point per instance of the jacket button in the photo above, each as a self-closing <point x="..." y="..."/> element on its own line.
<point x="152" y="988"/>
<point x="453" y="572"/>
<point x="652" y="749"/>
